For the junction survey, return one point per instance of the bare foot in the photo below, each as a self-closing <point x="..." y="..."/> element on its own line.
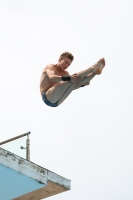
<point x="99" y="66"/>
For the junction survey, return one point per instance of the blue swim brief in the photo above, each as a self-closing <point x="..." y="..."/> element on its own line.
<point x="47" y="102"/>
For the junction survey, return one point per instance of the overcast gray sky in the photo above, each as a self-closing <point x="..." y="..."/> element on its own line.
<point x="89" y="137"/>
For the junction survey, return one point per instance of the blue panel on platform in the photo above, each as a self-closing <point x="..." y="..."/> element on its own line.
<point x="14" y="184"/>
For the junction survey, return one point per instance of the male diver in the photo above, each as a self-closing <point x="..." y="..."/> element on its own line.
<point x="56" y="83"/>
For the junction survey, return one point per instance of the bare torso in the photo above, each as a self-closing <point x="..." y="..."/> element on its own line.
<point x="45" y="82"/>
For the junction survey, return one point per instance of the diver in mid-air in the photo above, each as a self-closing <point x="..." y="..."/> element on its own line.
<point x="56" y="84"/>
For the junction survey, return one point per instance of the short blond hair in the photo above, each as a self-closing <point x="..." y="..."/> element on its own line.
<point x="68" y="55"/>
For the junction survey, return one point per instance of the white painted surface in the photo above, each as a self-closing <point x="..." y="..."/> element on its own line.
<point x="23" y="166"/>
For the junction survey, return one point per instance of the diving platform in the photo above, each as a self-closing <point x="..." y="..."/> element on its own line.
<point x="21" y="179"/>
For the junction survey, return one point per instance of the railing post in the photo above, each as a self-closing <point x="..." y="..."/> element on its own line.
<point x="28" y="148"/>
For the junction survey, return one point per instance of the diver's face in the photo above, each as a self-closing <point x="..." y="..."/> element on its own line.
<point x="65" y="63"/>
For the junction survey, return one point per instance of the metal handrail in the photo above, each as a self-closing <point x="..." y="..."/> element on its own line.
<point x="27" y="143"/>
